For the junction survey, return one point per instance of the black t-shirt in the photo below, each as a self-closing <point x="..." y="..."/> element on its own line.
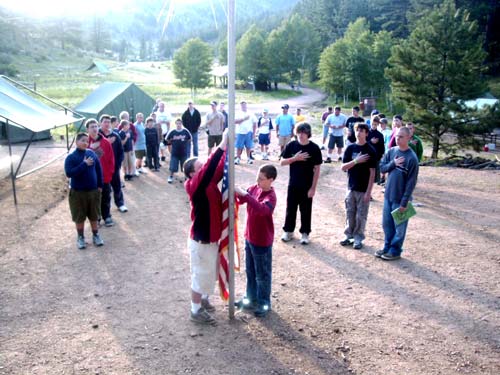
<point x="359" y="175"/>
<point x="302" y="172"/>
<point x="349" y="124"/>
<point x="379" y="147"/>
<point x="179" y="139"/>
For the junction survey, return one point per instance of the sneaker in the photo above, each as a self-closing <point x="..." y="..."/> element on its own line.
<point x="156" y="170"/>
<point x="389" y="256"/>
<point x="97" y="240"/>
<point x="205" y="303"/>
<point x="340" y="158"/>
<point x="287" y="236"/>
<point x="202" y="317"/>
<point x="170" y="179"/>
<point x="108" y="222"/>
<point x="379" y="253"/>
<point x="251" y="156"/>
<point x="163" y="158"/>
<point x="250" y="161"/>
<point x="137" y="173"/>
<point x="245" y="304"/>
<point x="80" y="242"/>
<point x="123" y="208"/>
<point x="237" y="161"/>
<point x="346" y="241"/>
<point x="357" y="245"/>
<point x="323" y="147"/>
<point x="328" y="160"/>
<point x="142" y="170"/>
<point x="265" y="157"/>
<point x="261" y="311"/>
<point x="304" y="240"/>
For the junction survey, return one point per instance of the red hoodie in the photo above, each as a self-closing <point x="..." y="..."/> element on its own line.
<point x="104" y="151"/>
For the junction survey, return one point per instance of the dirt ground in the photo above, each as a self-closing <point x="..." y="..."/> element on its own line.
<point x="123" y="308"/>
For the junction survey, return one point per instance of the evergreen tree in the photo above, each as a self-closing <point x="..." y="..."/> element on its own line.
<point x="435" y="70"/>
<point x="192" y="65"/>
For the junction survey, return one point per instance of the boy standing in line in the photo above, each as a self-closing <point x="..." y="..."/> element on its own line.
<point x="401" y="164"/>
<point x="359" y="163"/>
<point x="178" y="141"/>
<point x="101" y="146"/>
<point x="265" y="125"/>
<point x="152" y="144"/>
<point x="304" y="158"/>
<point x="206" y="229"/>
<point x="82" y="166"/>
<point x="259" y="235"/>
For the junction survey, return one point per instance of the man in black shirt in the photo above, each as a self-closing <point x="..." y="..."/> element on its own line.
<point x="304" y="158"/>
<point x="350" y="122"/>
<point x="191" y="120"/>
<point x="359" y="162"/>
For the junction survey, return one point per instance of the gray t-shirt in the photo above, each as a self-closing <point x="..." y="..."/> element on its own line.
<point x="401" y="180"/>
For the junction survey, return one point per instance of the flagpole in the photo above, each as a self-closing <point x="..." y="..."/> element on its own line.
<point x="231" y="63"/>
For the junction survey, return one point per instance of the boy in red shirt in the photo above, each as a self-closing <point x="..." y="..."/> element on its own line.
<point x="101" y="146"/>
<point x="259" y="235"/>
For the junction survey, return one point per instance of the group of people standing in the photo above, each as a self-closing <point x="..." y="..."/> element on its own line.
<point x="364" y="158"/>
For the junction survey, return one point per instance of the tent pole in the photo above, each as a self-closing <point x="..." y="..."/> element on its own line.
<point x="230" y="145"/>
<point x="12" y="176"/>
<point x="67" y="138"/>
<point x="24" y="154"/>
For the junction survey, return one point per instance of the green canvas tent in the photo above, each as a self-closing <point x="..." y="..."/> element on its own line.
<point x="114" y="97"/>
<point x="101" y="67"/>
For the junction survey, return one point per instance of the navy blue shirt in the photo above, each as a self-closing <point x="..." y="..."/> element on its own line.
<point x="83" y="177"/>
<point x="117" y="147"/>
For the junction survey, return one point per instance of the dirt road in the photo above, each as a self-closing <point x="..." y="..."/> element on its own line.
<point x="123" y="308"/>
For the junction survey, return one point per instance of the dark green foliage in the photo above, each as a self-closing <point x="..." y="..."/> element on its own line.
<point x="435" y="70"/>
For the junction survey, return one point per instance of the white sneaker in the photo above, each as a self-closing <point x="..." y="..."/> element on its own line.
<point x="142" y="170"/>
<point x="137" y="173"/>
<point x="123" y="208"/>
<point x="265" y="157"/>
<point x="304" y="240"/>
<point x="237" y="161"/>
<point x="249" y="161"/>
<point x="170" y="179"/>
<point x="287" y="236"/>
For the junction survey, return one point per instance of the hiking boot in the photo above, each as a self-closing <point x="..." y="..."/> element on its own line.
<point x="357" y="245"/>
<point x="245" y="304"/>
<point x="328" y="160"/>
<point x="97" y="240"/>
<point x="346" y="241"/>
<point x="287" y="236"/>
<point x="202" y="317"/>
<point x="108" y="222"/>
<point x="261" y="311"/>
<point x="389" y="256"/>
<point x="379" y="253"/>
<point x="80" y="243"/>
<point x="205" y="303"/>
<point x="170" y="179"/>
<point x="123" y="208"/>
<point x="304" y="240"/>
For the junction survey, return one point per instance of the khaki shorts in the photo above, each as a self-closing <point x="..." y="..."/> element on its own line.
<point x="284" y="140"/>
<point x="84" y="204"/>
<point x="140" y="154"/>
<point x="204" y="261"/>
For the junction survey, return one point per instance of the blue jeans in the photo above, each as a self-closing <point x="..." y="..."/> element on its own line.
<point x="195" y="145"/>
<point x="394" y="235"/>
<point x="259" y="273"/>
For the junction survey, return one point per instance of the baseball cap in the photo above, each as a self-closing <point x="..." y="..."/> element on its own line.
<point x="213" y="102"/>
<point x="285" y="106"/>
<point x="265" y="110"/>
<point x="375" y="112"/>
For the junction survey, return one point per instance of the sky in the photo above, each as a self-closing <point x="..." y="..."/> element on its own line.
<point x="46" y="8"/>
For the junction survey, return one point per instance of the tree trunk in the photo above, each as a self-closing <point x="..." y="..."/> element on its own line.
<point x="435" y="147"/>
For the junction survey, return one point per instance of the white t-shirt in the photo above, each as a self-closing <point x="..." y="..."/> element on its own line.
<point x="264" y="126"/>
<point x="246" y="126"/>
<point x="339" y="121"/>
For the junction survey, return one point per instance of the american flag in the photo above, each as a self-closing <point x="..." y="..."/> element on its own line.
<point x="224" y="240"/>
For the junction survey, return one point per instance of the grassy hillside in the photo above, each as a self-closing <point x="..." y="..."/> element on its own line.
<point x="64" y="79"/>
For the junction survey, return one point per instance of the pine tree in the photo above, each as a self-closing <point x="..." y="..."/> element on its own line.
<point x="435" y="70"/>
